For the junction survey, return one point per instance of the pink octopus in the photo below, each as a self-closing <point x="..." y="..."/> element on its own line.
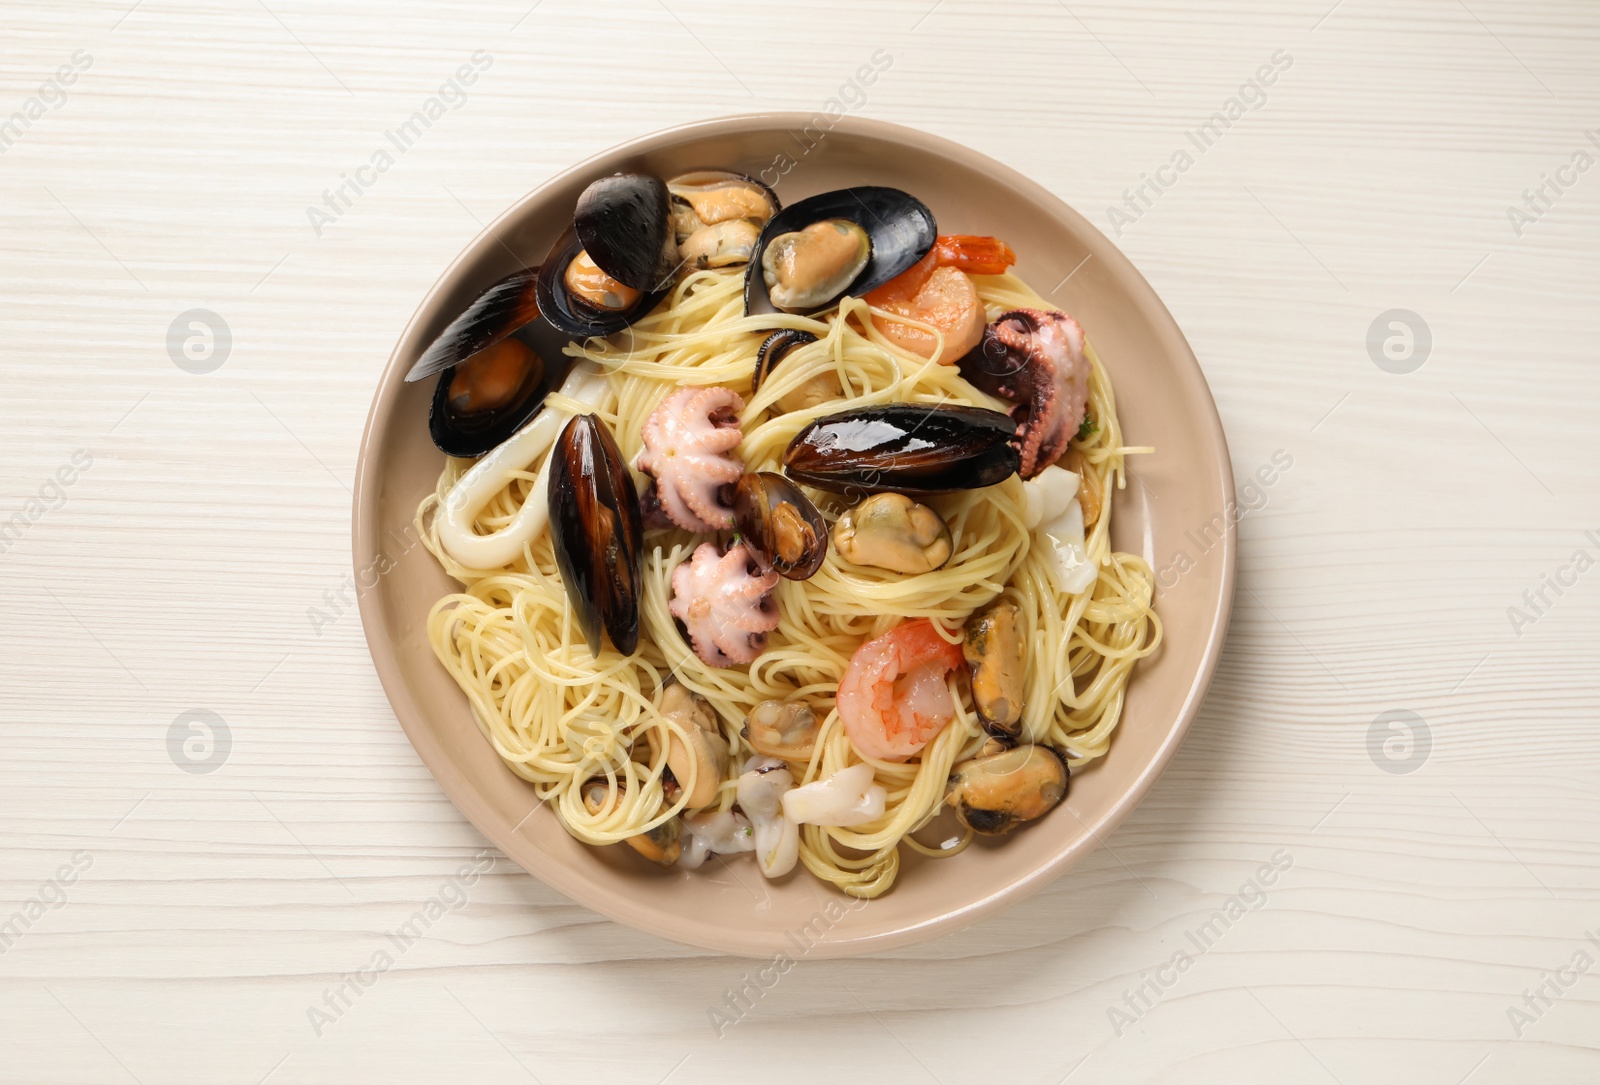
<point x="1036" y="360"/>
<point x="725" y="603"/>
<point x="686" y="444"/>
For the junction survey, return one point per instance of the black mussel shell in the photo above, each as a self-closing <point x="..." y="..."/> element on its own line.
<point x="494" y="314"/>
<point x="598" y="534"/>
<point x="572" y="314"/>
<point x="625" y="222"/>
<point x="905" y="448"/>
<point x="901" y="228"/>
<point x="780" y="524"/>
<point x="459" y="432"/>
<point x="773" y="349"/>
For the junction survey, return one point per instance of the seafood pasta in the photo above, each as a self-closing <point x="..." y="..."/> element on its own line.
<point x="801" y="547"/>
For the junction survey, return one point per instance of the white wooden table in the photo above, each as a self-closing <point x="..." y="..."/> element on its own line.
<point x="198" y="926"/>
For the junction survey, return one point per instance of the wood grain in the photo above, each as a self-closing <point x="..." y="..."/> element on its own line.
<point x="183" y="568"/>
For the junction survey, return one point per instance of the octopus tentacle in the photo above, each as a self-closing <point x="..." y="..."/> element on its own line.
<point x="727" y="608"/>
<point x="1036" y="360"/>
<point x="687" y="444"/>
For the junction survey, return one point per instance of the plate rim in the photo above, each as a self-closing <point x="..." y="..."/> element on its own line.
<point x="462" y="792"/>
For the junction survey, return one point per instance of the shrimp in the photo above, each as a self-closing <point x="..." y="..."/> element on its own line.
<point x="975" y="255"/>
<point x="936" y="290"/>
<point x="893" y="698"/>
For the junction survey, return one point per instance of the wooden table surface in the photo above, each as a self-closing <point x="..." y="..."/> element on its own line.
<point x="1404" y="719"/>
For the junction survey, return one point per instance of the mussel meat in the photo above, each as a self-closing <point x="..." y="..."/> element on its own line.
<point x="848" y="241"/>
<point x="904" y="447"/>
<point x="995" y="792"/>
<point x="718" y="215"/>
<point x="782" y="527"/>
<point x="614" y="264"/>
<point x="891" y="531"/>
<point x="822" y="388"/>
<point x="661" y="845"/>
<point x="786" y="729"/>
<point x="704" y="755"/>
<point x="994" y="652"/>
<point x="809" y="267"/>
<point x="598" y="532"/>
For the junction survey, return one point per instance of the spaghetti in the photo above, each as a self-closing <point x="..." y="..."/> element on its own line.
<point x="560" y="716"/>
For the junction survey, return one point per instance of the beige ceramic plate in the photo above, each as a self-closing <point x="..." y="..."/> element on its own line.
<point x="1182" y="493"/>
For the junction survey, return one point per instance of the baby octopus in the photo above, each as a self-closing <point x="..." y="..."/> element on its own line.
<point x="687" y="441"/>
<point x="726" y="604"/>
<point x="1036" y="360"/>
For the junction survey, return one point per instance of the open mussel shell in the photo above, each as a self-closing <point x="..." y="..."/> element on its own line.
<point x="485" y="399"/>
<point x="904" y="448"/>
<point x="625" y="223"/>
<point x="899" y="226"/>
<point x="571" y="313"/>
<point x="781" y="526"/>
<point x="773" y="349"/>
<point x="597" y="531"/>
<point x="503" y="308"/>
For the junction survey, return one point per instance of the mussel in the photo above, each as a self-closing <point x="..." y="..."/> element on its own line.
<point x="822" y="388"/>
<point x="995" y="792"/>
<point x="661" y="845"/>
<point x="494" y="373"/>
<point x="485" y="399"/>
<point x="598" y="532"/>
<point x="614" y="264"/>
<point x="718" y="215"/>
<point x="891" y="531"/>
<point x="704" y="754"/>
<point x="904" y="447"/>
<point x="848" y="241"/>
<point x="625" y="224"/>
<point x="786" y="729"/>
<point x="994" y="652"/>
<point x="507" y="305"/>
<point x="782" y="527"/>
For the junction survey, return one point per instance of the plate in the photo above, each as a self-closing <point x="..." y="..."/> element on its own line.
<point x="1174" y="511"/>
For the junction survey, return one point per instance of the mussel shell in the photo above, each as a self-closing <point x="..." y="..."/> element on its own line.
<point x="572" y="314"/>
<point x="901" y="228"/>
<point x="625" y="222"/>
<point x="756" y="511"/>
<point x="507" y="305"/>
<point x="904" y="448"/>
<point x="773" y="349"/>
<point x="598" y="532"/>
<point x="472" y="435"/>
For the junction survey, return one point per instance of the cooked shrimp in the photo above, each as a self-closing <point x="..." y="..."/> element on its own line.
<point x="935" y="290"/>
<point x="975" y="255"/>
<point x="893" y="698"/>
